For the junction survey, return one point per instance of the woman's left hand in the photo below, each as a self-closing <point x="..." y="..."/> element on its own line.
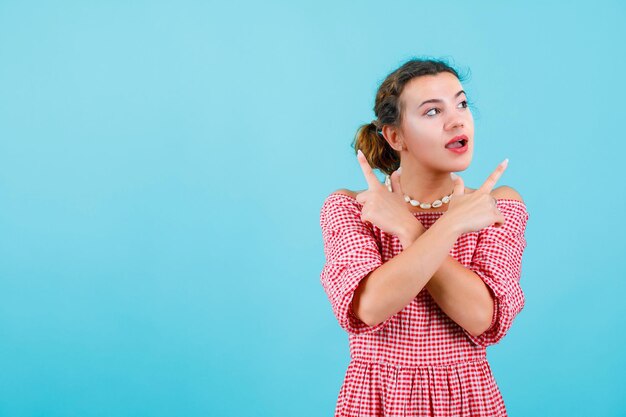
<point x="387" y="210"/>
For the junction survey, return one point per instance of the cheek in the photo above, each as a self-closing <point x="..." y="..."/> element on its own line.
<point x="425" y="146"/>
<point x="422" y="136"/>
<point x="422" y="131"/>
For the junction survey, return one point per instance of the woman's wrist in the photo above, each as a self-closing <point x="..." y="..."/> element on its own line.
<point x="452" y="222"/>
<point x="411" y="231"/>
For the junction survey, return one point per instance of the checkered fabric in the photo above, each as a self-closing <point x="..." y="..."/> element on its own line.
<point x="419" y="362"/>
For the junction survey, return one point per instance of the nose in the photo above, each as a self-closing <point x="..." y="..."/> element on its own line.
<point x="457" y="122"/>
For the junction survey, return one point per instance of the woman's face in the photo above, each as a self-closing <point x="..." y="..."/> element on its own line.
<point x="427" y="127"/>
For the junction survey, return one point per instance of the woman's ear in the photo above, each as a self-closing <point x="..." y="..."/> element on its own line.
<point x="393" y="138"/>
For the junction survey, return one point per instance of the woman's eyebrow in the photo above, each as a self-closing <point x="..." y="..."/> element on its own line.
<point x="438" y="100"/>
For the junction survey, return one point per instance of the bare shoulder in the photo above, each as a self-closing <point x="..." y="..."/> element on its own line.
<point x="347" y="192"/>
<point x="504" y="191"/>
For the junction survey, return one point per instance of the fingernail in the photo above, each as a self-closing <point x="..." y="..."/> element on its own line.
<point x="399" y="170"/>
<point x="505" y="162"/>
<point x="359" y="152"/>
<point x="453" y="175"/>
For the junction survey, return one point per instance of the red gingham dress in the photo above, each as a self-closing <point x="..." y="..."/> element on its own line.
<point x="419" y="362"/>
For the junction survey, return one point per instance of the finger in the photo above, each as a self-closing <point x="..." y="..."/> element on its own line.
<point x="459" y="185"/>
<point x="360" y="197"/>
<point x="395" y="182"/>
<point x="494" y="177"/>
<point x="370" y="177"/>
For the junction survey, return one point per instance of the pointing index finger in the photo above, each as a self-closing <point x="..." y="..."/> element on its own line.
<point x="494" y="177"/>
<point x="370" y="177"/>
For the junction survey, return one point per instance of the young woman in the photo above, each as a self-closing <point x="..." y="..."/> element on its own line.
<point x="422" y="272"/>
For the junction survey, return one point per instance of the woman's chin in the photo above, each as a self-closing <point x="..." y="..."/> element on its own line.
<point x="461" y="165"/>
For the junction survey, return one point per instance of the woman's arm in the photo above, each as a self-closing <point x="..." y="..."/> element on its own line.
<point x="392" y="286"/>
<point x="458" y="291"/>
<point x="462" y="295"/>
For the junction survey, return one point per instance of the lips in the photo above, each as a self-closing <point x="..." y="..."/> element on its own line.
<point x="460" y="138"/>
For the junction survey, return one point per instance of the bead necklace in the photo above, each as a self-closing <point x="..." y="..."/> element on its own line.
<point x="415" y="203"/>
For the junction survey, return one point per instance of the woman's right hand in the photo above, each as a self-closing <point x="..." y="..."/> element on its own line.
<point x="477" y="210"/>
<point x="386" y="210"/>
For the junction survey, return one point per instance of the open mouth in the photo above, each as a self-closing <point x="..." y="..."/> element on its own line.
<point x="458" y="144"/>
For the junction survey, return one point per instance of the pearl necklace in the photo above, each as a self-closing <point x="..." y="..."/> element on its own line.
<point x="415" y="203"/>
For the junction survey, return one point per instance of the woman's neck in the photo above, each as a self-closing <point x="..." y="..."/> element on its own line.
<point x="426" y="187"/>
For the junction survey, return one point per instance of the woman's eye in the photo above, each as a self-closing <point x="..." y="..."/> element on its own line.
<point x="434" y="108"/>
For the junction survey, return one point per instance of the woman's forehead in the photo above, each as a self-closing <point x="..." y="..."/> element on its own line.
<point x="442" y="86"/>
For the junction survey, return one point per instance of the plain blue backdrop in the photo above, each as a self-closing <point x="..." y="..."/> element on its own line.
<point x="162" y="167"/>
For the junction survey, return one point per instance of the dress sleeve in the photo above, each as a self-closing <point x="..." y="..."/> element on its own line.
<point x="498" y="261"/>
<point x="352" y="252"/>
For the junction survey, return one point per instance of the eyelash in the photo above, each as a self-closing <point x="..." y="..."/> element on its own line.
<point x="435" y="108"/>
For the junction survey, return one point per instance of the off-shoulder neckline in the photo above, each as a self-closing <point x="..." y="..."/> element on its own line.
<point x="511" y="200"/>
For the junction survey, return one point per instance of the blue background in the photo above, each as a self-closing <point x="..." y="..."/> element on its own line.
<point x="162" y="167"/>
